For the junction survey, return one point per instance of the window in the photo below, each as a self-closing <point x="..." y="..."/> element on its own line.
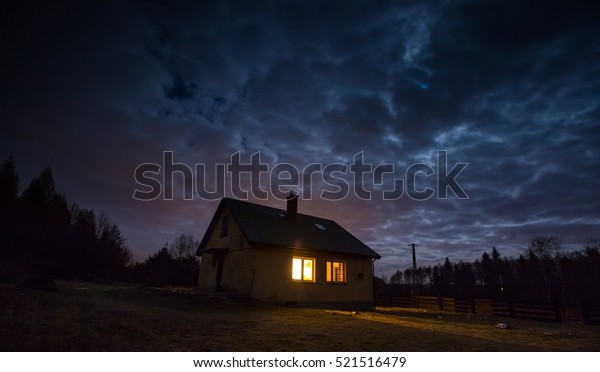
<point x="336" y="272"/>
<point x="303" y="269"/>
<point x="224" y="226"/>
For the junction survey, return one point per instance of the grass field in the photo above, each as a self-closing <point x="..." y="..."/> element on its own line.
<point x="84" y="316"/>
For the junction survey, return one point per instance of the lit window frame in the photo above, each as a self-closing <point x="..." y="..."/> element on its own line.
<point x="298" y="274"/>
<point x="336" y="278"/>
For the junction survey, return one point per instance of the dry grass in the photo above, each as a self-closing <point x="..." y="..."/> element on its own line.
<point x="95" y="317"/>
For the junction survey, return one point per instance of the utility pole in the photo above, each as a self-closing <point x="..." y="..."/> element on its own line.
<point x="414" y="257"/>
<point x="415" y="295"/>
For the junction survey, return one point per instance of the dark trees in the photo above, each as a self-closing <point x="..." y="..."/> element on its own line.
<point x="171" y="265"/>
<point x="40" y="235"/>
<point x="542" y="274"/>
<point x="43" y="220"/>
<point x="9" y="190"/>
<point x="465" y="281"/>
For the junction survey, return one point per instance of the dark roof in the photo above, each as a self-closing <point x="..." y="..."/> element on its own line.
<point x="264" y="225"/>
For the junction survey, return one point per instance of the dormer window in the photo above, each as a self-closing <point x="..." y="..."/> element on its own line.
<point x="319" y="226"/>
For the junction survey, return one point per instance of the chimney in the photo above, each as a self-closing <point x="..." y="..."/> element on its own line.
<point x="292" y="207"/>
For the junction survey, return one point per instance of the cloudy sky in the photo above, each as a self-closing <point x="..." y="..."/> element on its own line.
<point x="96" y="88"/>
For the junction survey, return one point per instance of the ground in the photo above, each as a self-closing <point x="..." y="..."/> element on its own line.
<point x="84" y="316"/>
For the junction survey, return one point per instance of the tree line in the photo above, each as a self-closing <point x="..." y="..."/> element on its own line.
<point x="542" y="274"/>
<point x="174" y="264"/>
<point x="41" y="234"/>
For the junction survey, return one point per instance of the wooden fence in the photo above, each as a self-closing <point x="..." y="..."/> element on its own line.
<point x="435" y="303"/>
<point x="591" y="313"/>
<point x="395" y="301"/>
<point x="547" y="312"/>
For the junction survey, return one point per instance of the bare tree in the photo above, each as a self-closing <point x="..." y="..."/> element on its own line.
<point x="545" y="251"/>
<point x="184" y="246"/>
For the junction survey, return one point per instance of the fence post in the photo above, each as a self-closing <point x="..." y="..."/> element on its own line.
<point x="585" y="310"/>
<point x="557" y="314"/>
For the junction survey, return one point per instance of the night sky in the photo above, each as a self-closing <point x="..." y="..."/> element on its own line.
<point x="95" y="89"/>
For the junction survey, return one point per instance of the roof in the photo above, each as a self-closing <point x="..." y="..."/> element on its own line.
<point x="264" y="225"/>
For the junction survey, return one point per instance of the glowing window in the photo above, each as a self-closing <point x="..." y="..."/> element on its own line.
<point x="303" y="269"/>
<point x="336" y="272"/>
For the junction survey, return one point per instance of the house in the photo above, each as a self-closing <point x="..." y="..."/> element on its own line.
<point x="285" y="257"/>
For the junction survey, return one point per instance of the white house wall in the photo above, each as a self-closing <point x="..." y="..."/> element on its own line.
<point x="273" y="279"/>
<point x="265" y="273"/>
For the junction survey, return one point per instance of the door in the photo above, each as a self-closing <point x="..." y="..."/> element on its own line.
<point x="220" y="260"/>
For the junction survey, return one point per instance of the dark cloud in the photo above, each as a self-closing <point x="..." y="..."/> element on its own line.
<point x="180" y="90"/>
<point x="96" y="89"/>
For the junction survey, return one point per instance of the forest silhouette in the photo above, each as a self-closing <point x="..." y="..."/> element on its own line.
<point x="43" y="237"/>
<point x="541" y="275"/>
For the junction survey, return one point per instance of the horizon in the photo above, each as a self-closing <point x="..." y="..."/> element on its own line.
<point x="95" y="90"/>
